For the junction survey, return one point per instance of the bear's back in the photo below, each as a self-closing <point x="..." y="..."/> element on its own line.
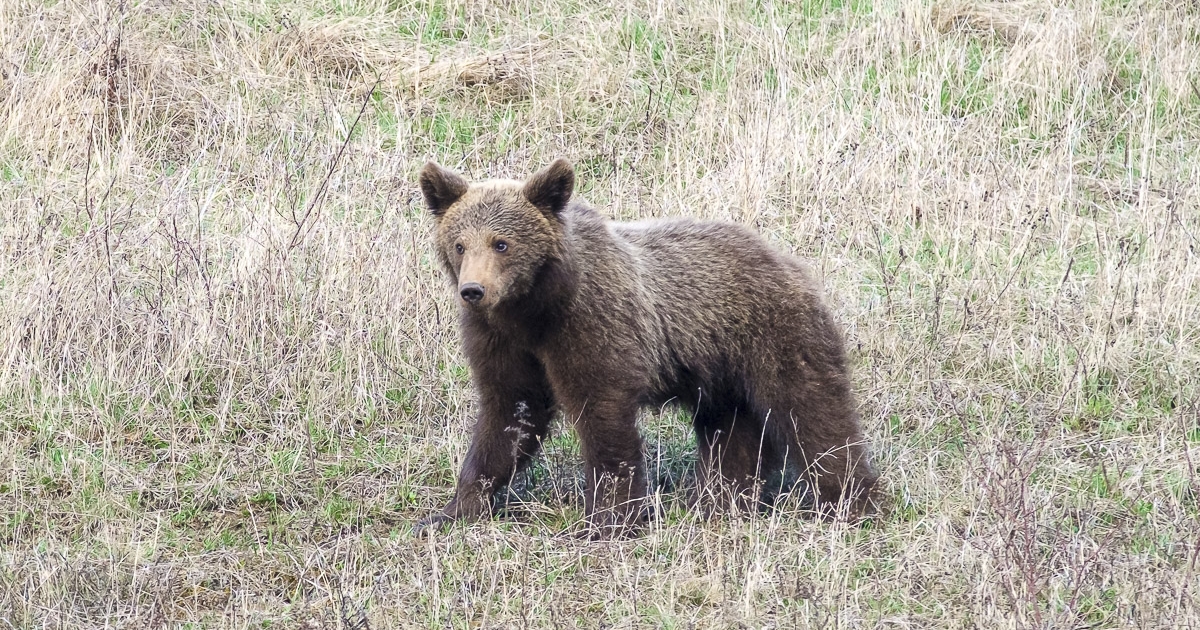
<point x="719" y="258"/>
<point x="717" y="291"/>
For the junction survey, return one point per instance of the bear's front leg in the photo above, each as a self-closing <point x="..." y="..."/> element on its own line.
<point x="615" y="467"/>
<point x="513" y="419"/>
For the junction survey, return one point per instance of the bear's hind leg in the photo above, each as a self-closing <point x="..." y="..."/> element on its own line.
<point x="814" y="423"/>
<point x="734" y="457"/>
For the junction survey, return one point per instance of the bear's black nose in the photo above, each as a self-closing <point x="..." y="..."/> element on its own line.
<point x="471" y="292"/>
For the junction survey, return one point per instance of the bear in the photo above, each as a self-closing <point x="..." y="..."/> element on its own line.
<point x="564" y="311"/>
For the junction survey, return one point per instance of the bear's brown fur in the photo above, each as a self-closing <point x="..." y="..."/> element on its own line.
<point x="563" y="310"/>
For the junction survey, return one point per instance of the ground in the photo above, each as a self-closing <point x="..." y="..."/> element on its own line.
<point x="230" y="377"/>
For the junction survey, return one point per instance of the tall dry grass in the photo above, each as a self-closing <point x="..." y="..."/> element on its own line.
<point x="229" y="373"/>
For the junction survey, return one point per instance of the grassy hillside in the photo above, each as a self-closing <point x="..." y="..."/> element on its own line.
<point x="229" y="366"/>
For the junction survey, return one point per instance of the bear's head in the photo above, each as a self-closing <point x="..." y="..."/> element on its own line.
<point x="495" y="238"/>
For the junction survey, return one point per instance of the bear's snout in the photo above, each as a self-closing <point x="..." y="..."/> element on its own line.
<point x="471" y="292"/>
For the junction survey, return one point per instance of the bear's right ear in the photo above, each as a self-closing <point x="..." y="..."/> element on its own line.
<point x="550" y="188"/>
<point x="441" y="186"/>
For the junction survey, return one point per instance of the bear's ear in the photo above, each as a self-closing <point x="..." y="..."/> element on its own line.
<point x="441" y="186"/>
<point x="550" y="188"/>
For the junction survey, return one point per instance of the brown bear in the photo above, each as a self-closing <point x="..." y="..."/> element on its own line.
<point x="563" y="310"/>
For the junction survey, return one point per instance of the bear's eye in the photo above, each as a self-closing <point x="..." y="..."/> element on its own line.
<point x="458" y="248"/>
<point x="501" y="246"/>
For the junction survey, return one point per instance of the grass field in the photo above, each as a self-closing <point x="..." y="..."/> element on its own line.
<point x="230" y="377"/>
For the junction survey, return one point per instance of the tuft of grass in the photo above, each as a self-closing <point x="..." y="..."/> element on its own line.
<point x="230" y="377"/>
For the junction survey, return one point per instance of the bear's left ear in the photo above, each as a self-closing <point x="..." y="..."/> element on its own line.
<point x="441" y="187"/>
<point x="550" y="188"/>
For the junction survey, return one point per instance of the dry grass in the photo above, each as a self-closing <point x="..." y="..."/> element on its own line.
<point x="229" y="373"/>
